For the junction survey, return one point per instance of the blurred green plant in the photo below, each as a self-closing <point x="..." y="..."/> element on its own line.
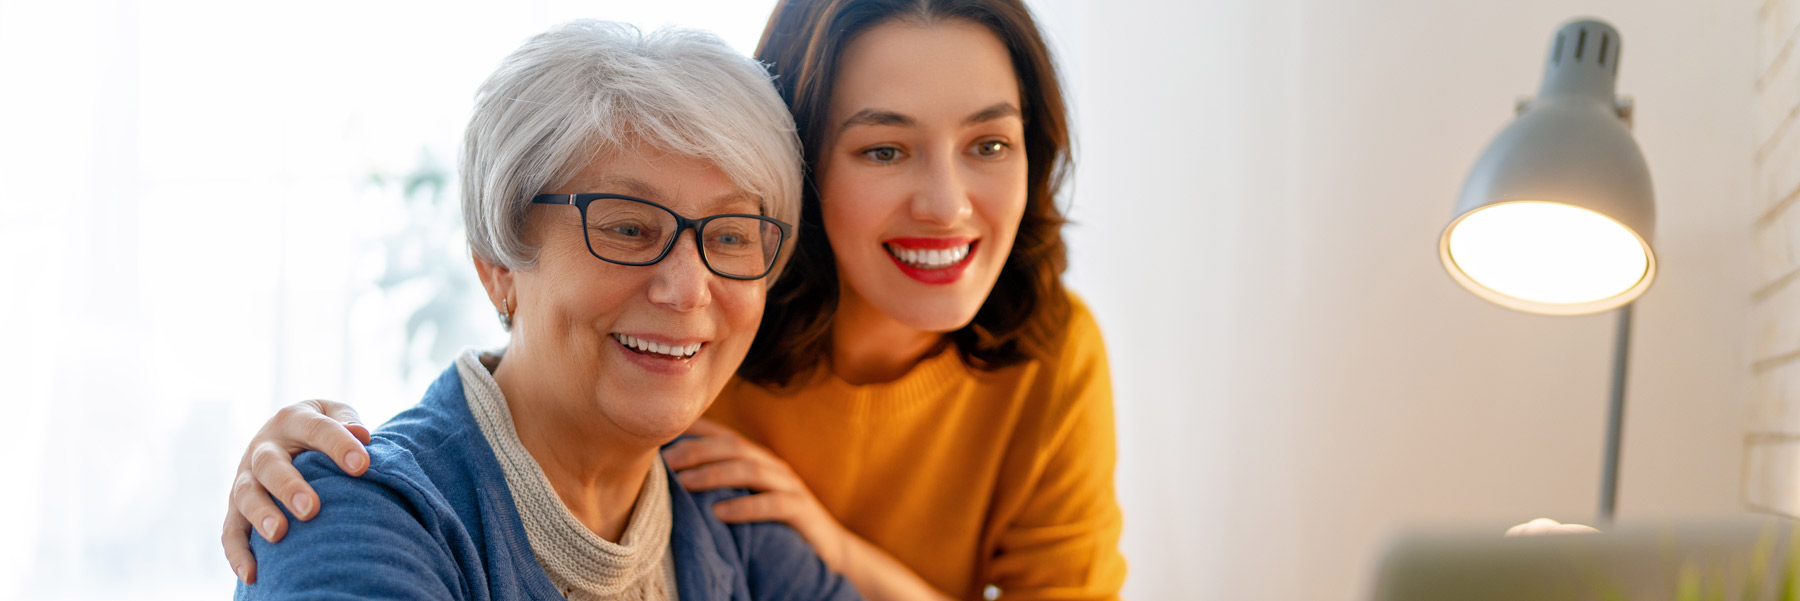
<point x="428" y="256"/>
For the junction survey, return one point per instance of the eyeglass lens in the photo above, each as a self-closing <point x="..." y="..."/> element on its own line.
<point x="627" y="231"/>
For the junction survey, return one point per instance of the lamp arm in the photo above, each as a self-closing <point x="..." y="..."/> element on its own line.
<point x="1615" y="417"/>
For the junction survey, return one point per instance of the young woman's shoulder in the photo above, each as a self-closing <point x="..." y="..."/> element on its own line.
<point x="1080" y="350"/>
<point x="1072" y="379"/>
<point x="1081" y="325"/>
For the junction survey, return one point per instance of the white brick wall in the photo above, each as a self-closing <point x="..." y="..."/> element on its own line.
<point x="1772" y="445"/>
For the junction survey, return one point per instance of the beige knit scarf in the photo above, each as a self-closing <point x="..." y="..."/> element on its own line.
<point x="583" y="566"/>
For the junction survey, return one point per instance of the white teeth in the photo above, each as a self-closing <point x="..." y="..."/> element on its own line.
<point x="684" y="351"/>
<point x="929" y="259"/>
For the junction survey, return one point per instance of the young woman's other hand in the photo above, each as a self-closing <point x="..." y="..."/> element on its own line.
<point x="718" y="457"/>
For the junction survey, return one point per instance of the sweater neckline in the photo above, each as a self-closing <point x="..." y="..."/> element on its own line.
<point x="932" y="378"/>
<point x="581" y="564"/>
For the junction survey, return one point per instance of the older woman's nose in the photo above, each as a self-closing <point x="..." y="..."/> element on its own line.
<point x="681" y="280"/>
<point x="943" y="197"/>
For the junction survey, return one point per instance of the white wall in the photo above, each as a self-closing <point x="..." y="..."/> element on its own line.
<point x="1260" y="191"/>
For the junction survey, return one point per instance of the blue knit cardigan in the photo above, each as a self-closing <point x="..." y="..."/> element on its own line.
<point x="433" y="519"/>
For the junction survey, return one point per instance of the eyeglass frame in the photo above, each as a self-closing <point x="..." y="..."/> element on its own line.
<point x="682" y="224"/>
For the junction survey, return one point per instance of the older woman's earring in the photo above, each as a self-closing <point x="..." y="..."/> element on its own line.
<point x="505" y="313"/>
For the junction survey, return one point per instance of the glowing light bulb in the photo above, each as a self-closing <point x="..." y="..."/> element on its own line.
<point x="1546" y="252"/>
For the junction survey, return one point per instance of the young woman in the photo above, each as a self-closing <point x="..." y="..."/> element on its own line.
<point x="923" y="402"/>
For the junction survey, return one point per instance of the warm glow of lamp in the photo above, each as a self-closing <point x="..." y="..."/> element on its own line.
<point x="1547" y="253"/>
<point x="1556" y="217"/>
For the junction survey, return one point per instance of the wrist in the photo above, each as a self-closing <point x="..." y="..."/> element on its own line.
<point x="832" y="542"/>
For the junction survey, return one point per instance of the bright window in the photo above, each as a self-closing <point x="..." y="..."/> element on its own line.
<point x="211" y="210"/>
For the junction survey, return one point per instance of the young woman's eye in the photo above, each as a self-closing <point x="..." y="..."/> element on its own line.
<point x="991" y="148"/>
<point x="882" y="154"/>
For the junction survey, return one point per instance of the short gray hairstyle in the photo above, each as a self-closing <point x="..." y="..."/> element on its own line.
<point x="589" y="88"/>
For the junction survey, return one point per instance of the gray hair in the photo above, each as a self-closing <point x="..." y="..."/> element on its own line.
<point x="589" y="88"/>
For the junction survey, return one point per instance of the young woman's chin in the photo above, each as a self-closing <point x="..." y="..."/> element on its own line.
<point x="938" y="309"/>
<point x="941" y="321"/>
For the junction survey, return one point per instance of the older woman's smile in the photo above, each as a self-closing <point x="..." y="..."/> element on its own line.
<point x="659" y="355"/>
<point x="648" y="345"/>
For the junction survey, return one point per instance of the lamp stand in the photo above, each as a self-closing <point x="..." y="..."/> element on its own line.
<point x="1615" y="405"/>
<point x="1615" y="417"/>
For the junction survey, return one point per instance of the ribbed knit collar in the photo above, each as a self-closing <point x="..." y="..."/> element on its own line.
<point x="582" y="565"/>
<point x="930" y="380"/>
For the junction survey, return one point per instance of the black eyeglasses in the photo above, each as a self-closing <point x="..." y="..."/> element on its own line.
<point x="632" y="231"/>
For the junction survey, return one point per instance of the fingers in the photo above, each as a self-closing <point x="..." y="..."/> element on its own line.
<point x="236" y="538"/>
<point x="303" y="427"/>
<point x="696" y="451"/>
<point x="274" y="471"/>
<point x="331" y="428"/>
<point x="781" y="506"/>
<point x="737" y="473"/>
<point x="343" y="414"/>
<point x="251" y="501"/>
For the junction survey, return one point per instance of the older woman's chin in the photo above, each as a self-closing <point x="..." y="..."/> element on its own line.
<point x="659" y="422"/>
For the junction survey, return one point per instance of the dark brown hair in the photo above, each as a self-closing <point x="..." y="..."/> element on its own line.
<point x="1026" y="310"/>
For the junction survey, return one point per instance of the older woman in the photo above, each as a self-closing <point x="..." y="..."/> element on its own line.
<point x="626" y="198"/>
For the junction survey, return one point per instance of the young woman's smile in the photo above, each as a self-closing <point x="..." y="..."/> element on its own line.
<point x="932" y="260"/>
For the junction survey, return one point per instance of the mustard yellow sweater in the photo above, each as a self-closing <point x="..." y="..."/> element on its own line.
<point x="971" y="479"/>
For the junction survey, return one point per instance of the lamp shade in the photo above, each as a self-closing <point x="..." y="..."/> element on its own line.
<point x="1557" y="215"/>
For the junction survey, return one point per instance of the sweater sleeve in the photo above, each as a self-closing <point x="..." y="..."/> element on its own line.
<point x="1064" y="543"/>
<point x="367" y="542"/>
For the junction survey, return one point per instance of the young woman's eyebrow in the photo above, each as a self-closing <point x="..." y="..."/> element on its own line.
<point x="886" y="117"/>
<point x="997" y="111"/>
<point x="878" y="117"/>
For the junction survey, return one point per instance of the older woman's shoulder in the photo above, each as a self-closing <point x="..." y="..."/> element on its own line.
<point x="774" y="560"/>
<point x="386" y="534"/>
<point x="395" y="475"/>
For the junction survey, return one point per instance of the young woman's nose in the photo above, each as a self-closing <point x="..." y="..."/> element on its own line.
<point x="942" y="197"/>
<point x="681" y="280"/>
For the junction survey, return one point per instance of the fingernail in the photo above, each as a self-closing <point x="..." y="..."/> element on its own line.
<point x="302" y="505"/>
<point x="354" y="460"/>
<point x="268" y="527"/>
<point x="240" y="572"/>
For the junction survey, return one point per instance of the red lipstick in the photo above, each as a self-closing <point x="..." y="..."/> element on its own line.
<point x="937" y="276"/>
<point x="928" y="243"/>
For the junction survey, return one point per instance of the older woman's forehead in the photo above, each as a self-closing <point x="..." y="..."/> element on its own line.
<point x="674" y="191"/>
